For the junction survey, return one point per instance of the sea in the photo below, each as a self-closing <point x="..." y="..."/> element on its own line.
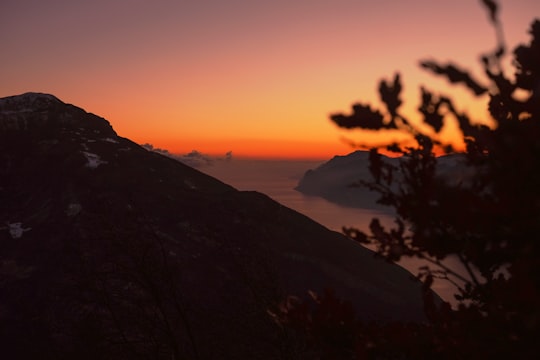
<point x="278" y="179"/>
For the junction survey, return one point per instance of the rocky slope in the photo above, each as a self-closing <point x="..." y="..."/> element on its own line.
<point x="108" y="250"/>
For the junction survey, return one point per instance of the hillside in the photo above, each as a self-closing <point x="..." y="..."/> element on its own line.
<point x="108" y="250"/>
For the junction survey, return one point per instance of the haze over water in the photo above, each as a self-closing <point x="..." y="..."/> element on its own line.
<point x="277" y="179"/>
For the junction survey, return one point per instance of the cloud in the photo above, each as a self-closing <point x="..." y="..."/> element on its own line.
<point x="194" y="158"/>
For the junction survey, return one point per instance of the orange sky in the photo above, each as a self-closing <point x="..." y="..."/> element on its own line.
<point x="258" y="78"/>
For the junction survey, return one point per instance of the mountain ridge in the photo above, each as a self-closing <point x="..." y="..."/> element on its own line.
<point x="110" y="247"/>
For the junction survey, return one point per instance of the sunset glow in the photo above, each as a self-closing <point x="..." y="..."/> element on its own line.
<point x="256" y="78"/>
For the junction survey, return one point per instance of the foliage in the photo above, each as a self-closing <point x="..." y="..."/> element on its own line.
<point x="489" y="221"/>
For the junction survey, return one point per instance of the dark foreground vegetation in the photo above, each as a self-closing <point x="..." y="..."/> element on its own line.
<point x="490" y="221"/>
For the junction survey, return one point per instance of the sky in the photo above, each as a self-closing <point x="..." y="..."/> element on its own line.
<point x="258" y="78"/>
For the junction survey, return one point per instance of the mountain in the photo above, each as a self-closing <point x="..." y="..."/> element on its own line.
<point x="334" y="179"/>
<point x="108" y="250"/>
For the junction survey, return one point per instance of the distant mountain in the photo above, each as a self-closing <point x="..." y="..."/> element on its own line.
<point x="108" y="250"/>
<point x="334" y="180"/>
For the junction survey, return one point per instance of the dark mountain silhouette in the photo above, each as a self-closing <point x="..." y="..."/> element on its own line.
<point x="108" y="250"/>
<point x="333" y="181"/>
<point x="338" y="180"/>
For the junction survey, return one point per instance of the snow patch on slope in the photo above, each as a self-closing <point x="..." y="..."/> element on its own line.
<point x="93" y="160"/>
<point x="16" y="230"/>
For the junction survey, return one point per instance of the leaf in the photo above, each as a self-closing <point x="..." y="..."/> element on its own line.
<point x="455" y="75"/>
<point x="356" y="235"/>
<point x="394" y="147"/>
<point x="375" y="164"/>
<point x="492" y="8"/>
<point x="428" y="281"/>
<point x="362" y="117"/>
<point x="390" y="94"/>
<point x="430" y="109"/>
